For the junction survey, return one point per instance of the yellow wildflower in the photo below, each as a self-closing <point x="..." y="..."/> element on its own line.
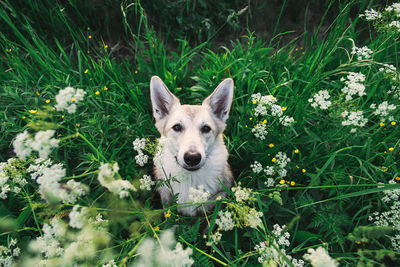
<point x="156" y="228"/>
<point x="303" y="170"/>
<point x="136" y="71"/>
<point x="271" y="145"/>
<point x="168" y="214"/>
<point x="273" y="159"/>
<point x="292" y="183"/>
<point x="393" y="123"/>
<point x="37" y="93"/>
<point x="73" y="99"/>
<point x="97" y="93"/>
<point x="47" y="101"/>
<point x="90" y="37"/>
<point x="264" y="121"/>
<point x="397" y="178"/>
<point x="296" y="151"/>
<point x="251" y="118"/>
<point x="282" y="181"/>
<point x="391" y="148"/>
<point x="254" y="102"/>
<point x="33" y="111"/>
<point x="86" y="71"/>
<point x="105" y="88"/>
<point x="284" y="108"/>
<point x="381" y="124"/>
<point x="105" y="46"/>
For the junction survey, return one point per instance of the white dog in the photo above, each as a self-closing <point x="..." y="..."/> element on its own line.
<point x="191" y="152"/>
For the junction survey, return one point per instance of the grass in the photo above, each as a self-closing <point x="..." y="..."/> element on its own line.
<point x="331" y="200"/>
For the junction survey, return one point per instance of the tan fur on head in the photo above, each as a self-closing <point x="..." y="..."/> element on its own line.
<point x="193" y="151"/>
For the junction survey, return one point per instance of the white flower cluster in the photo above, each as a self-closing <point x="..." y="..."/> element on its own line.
<point x="67" y="99"/>
<point x="395" y="8"/>
<point x="62" y="247"/>
<point x="146" y="182"/>
<point x="260" y="131"/>
<point x="362" y="52"/>
<point x="321" y="100"/>
<point x="253" y="218"/>
<point x="388" y="68"/>
<point x="138" y="145"/>
<point x="353" y="85"/>
<point x="165" y="254"/>
<point x="354" y="118"/>
<point x="11" y="179"/>
<point x="225" y="221"/>
<point x="241" y="194"/>
<point x="320" y="258"/>
<point x="395" y="25"/>
<point x="275" y="253"/>
<point x="42" y="143"/>
<point x="280" y="164"/>
<point x="198" y="195"/>
<point x="111" y="263"/>
<point x="383" y="110"/>
<point x="391" y="217"/>
<point x="48" y="177"/>
<point x="77" y="217"/>
<point x="267" y="106"/>
<point x="9" y="253"/>
<point x="108" y="178"/>
<point x="371" y="14"/>
<point x="256" y="167"/>
<point x="48" y="244"/>
<point x="214" y="238"/>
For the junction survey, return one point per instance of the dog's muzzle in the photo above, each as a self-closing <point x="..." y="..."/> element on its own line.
<point x="192" y="160"/>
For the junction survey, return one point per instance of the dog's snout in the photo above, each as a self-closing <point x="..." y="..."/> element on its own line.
<point x="192" y="158"/>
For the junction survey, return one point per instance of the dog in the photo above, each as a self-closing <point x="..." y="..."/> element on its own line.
<point x="191" y="150"/>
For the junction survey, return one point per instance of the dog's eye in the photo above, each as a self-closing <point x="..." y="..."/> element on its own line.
<point x="177" y="127"/>
<point x="205" y="129"/>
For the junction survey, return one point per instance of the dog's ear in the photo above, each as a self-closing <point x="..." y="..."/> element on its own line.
<point x="162" y="99"/>
<point x="221" y="99"/>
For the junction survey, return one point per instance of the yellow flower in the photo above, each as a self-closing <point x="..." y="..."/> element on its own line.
<point x="90" y="37"/>
<point x="303" y="170"/>
<point x="33" y="111"/>
<point x="397" y="178"/>
<point x="77" y="125"/>
<point x="37" y="93"/>
<point x="284" y="108"/>
<point x="393" y="123"/>
<point x="105" y="46"/>
<point x="86" y="71"/>
<point x="296" y="151"/>
<point x="62" y="116"/>
<point x="271" y="145"/>
<point x="156" y="228"/>
<point x="59" y="135"/>
<point x="292" y="183"/>
<point x="136" y="71"/>
<point x="358" y="242"/>
<point x="97" y="93"/>
<point x="88" y="28"/>
<point x="381" y="124"/>
<point x="273" y="159"/>
<point x="47" y="101"/>
<point x="105" y="88"/>
<point x="168" y="214"/>
<point x="264" y="121"/>
<point x="391" y="148"/>
<point x="251" y="118"/>
<point x="246" y="126"/>
<point x="73" y="99"/>
<point x="384" y="168"/>
<point x="254" y="102"/>
<point x="23" y="117"/>
<point x="282" y="181"/>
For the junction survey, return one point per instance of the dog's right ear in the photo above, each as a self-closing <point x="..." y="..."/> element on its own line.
<point x="162" y="99"/>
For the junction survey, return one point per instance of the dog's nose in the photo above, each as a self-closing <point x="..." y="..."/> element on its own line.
<point x="192" y="158"/>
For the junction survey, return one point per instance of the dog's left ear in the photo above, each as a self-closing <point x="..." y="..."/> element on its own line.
<point x="221" y="99"/>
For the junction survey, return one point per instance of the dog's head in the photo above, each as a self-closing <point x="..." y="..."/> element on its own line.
<point x="191" y="129"/>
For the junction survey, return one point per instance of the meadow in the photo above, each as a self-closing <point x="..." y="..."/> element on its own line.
<point x="313" y="133"/>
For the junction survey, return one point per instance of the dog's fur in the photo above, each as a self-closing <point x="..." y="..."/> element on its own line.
<point x="181" y="146"/>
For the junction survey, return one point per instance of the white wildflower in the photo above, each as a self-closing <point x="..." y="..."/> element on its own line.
<point x="241" y="194"/>
<point x="141" y="159"/>
<point x="22" y="145"/>
<point x="260" y="131"/>
<point x="354" y="118"/>
<point x="254" y="218"/>
<point x="269" y="170"/>
<point x="353" y="85"/>
<point x="256" y="167"/>
<point x="321" y="100"/>
<point x="67" y="98"/>
<point x="286" y="120"/>
<point x="48" y="244"/>
<point x="214" y="239"/>
<point x="225" y="221"/>
<point x="282" y="159"/>
<point x="371" y="14"/>
<point x="270" y="182"/>
<point x="198" y="195"/>
<point x="77" y="217"/>
<point x="108" y="178"/>
<point x="383" y="110"/>
<point x="139" y="144"/>
<point x="281" y="235"/>
<point x="146" y="182"/>
<point x="111" y="263"/>
<point x="320" y="258"/>
<point x="167" y="255"/>
<point x="362" y="52"/>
